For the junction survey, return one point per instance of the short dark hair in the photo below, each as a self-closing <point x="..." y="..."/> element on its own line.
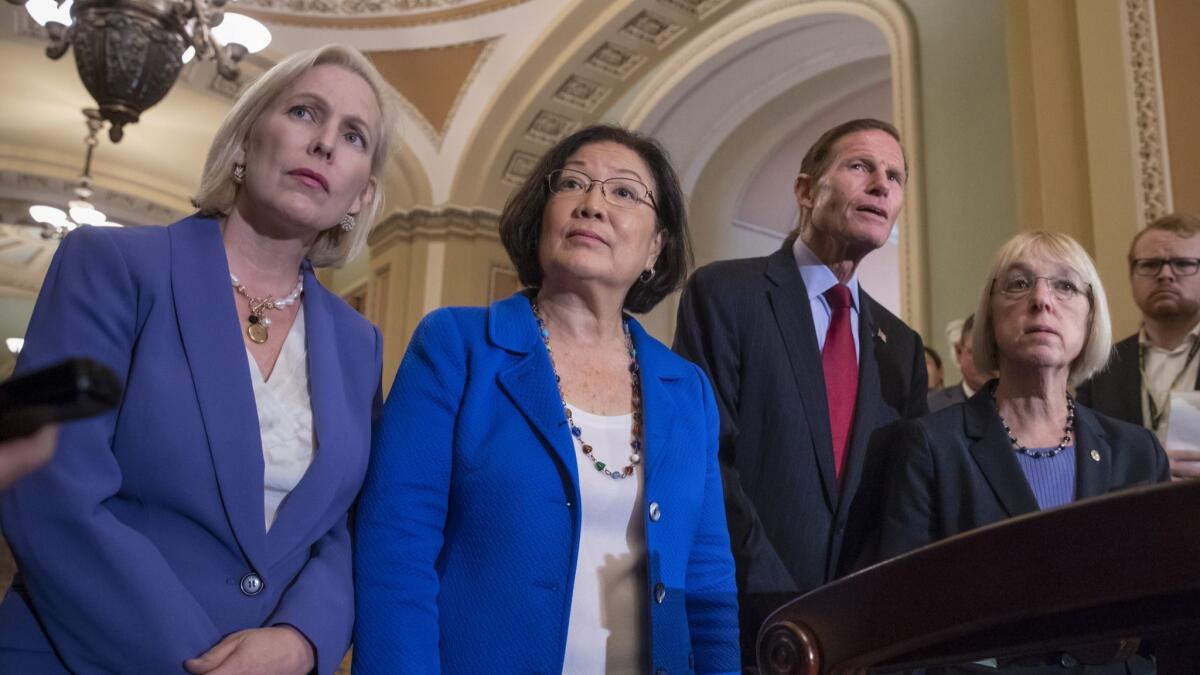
<point x="1180" y="224"/>
<point x="816" y="160"/>
<point x="521" y="220"/>
<point x="937" y="360"/>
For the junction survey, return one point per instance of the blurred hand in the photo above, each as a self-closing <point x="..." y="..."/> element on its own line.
<point x="22" y="455"/>
<point x="1184" y="463"/>
<point x="275" y="650"/>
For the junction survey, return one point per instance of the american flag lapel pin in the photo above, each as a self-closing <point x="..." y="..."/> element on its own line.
<point x="881" y="335"/>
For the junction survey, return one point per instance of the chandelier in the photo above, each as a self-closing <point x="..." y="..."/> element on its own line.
<point x="129" y="52"/>
<point x="57" y="223"/>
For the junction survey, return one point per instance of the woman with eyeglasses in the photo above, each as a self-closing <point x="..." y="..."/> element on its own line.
<point x="1021" y="444"/>
<point x="544" y="494"/>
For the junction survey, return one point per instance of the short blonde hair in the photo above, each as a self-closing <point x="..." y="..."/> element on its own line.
<point x="1063" y="249"/>
<point x="218" y="190"/>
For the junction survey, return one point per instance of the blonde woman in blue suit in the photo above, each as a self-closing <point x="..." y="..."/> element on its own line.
<point x="201" y="526"/>
<point x="544" y="494"/>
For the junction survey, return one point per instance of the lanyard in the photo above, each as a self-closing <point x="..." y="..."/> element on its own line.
<point x="1157" y="413"/>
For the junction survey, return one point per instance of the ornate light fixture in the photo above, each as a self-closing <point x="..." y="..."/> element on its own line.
<point x="56" y="222"/>
<point x="129" y="52"/>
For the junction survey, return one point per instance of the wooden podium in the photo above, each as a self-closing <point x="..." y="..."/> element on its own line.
<point x="1085" y="580"/>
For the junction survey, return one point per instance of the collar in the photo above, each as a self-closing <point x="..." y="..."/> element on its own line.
<point x="967" y="390"/>
<point x="817" y="276"/>
<point x="1186" y="344"/>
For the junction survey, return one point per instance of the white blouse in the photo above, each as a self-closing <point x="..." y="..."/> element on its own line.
<point x="607" y="629"/>
<point x="284" y="419"/>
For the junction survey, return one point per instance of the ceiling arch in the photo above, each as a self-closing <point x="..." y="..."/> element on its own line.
<point x="707" y="90"/>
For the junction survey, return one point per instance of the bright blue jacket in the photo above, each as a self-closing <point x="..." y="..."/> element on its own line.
<point x="469" y="523"/>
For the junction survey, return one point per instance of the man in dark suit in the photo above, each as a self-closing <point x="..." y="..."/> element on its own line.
<point x="1164" y="356"/>
<point x="805" y="366"/>
<point x="973" y="378"/>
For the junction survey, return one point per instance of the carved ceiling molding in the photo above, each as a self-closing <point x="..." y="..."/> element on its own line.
<point x="1154" y="190"/>
<point x="26" y="189"/>
<point x="892" y="19"/>
<point x="403" y="226"/>
<point x="376" y="14"/>
<point x="599" y="76"/>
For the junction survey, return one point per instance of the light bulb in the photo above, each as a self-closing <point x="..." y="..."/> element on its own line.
<point x="243" y="30"/>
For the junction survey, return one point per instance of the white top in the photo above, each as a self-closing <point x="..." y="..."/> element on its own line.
<point x="284" y="419"/>
<point x="608" y="626"/>
<point x="1162" y="367"/>
<point x="818" y="278"/>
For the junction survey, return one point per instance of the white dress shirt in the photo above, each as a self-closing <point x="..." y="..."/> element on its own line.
<point x="1163" y="366"/>
<point x="818" y="278"/>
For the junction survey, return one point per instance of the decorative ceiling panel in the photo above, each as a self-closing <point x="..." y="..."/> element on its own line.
<point x="369" y="13"/>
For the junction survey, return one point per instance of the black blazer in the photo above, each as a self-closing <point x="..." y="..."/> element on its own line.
<point x="1117" y="390"/>
<point x="955" y="470"/>
<point x="749" y="325"/>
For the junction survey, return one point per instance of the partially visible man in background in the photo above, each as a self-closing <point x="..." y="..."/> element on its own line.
<point x="1161" y="358"/>
<point x="973" y="378"/>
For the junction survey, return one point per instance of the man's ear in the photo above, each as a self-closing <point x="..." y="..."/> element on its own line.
<point x="804" y="188"/>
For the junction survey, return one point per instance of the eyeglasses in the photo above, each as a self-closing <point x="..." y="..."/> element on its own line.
<point x="626" y="193"/>
<point x="1150" y="267"/>
<point x="1019" y="286"/>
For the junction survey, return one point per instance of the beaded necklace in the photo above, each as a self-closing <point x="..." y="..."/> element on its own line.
<point x="1040" y="454"/>
<point x="635" y="442"/>
<point x="258" y="324"/>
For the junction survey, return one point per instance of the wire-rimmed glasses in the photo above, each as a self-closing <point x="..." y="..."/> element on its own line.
<point x="621" y="191"/>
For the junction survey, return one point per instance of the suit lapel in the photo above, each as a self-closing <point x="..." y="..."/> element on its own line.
<point x="217" y="359"/>
<point x="1093" y="455"/>
<point x="993" y="454"/>
<point x="793" y="315"/>
<point x="312" y="495"/>
<point x="1129" y="389"/>
<point x="660" y="414"/>
<point x="870" y="347"/>
<point x="529" y="382"/>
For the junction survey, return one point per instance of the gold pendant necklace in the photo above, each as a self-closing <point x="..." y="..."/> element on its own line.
<point x="258" y="322"/>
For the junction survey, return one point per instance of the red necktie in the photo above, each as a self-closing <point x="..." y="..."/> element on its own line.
<point x="841" y="372"/>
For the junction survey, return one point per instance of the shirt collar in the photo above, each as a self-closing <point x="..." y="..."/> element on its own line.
<point x="817" y="276"/>
<point x="1144" y="340"/>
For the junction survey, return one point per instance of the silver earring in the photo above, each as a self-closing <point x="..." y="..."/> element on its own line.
<point x="346" y="223"/>
<point x="239" y="173"/>
<point x="646" y="275"/>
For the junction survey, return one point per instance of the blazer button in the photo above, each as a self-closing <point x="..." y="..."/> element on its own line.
<point x="251" y="584"/>
<point x="655" y="512"/>
<point x="660" y="593"/>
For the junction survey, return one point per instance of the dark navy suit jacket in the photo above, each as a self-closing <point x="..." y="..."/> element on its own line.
<point x="469" y="524"/>
<point x="955" y="470"/>
<point x="132" y="542"/>
<point x="1117" y="390"/>
<point x="749" y="324"/>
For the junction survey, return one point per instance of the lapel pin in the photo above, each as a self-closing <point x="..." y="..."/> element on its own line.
<point x="1095" y="456"/>
<point x="881" y="335"/>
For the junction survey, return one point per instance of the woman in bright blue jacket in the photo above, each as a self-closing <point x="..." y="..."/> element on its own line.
<point x="543" y="494"/>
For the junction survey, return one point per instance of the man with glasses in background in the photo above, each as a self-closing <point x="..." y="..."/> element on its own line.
<point x="1164" y="356"/>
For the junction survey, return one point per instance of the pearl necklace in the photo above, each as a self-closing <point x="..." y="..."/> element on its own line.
<point x="635" y="443"/>
<point x="258" y="324"/>
<point x="1040" y="454"/>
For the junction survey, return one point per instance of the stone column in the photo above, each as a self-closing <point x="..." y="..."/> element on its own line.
<point x="423" y="259"/>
